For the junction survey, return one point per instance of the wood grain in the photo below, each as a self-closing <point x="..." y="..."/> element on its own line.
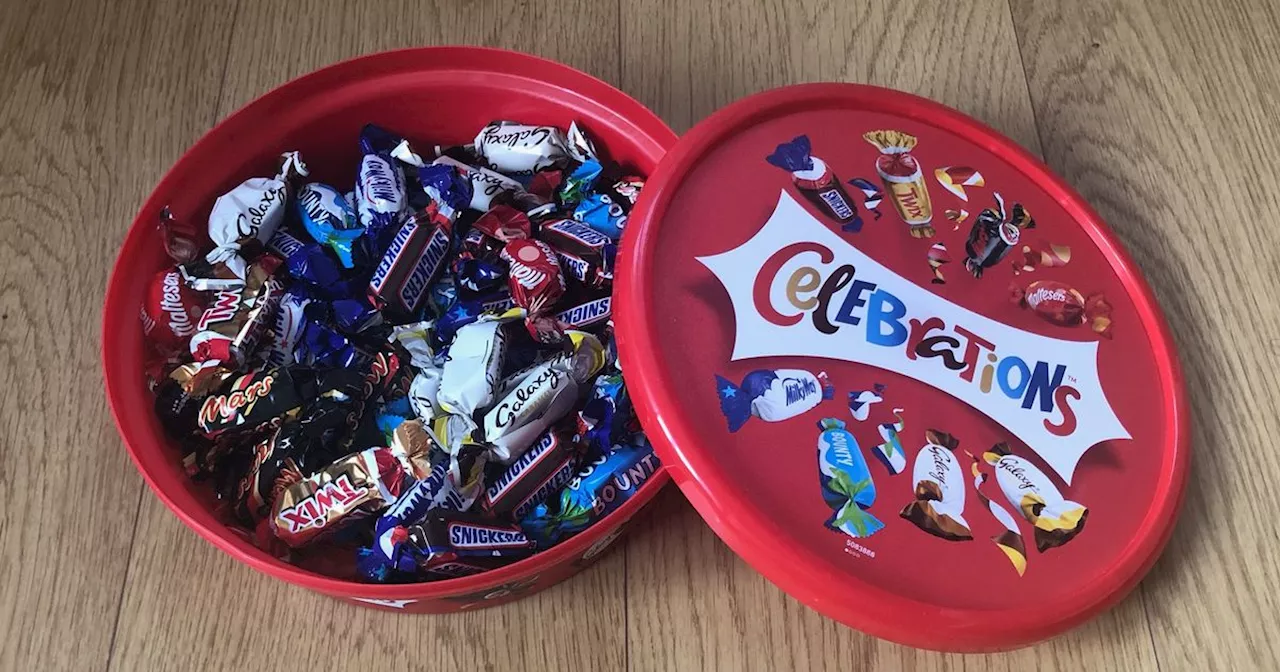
<point x="1165" y="121"/>
<point x="1163" y="118"/>
<point x="99" y="98"/>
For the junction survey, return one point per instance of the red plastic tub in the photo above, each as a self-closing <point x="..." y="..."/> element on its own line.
<point x="441" y="94"/>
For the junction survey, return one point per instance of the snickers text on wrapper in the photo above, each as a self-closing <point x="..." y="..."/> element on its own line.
<point x="798" y="289"/>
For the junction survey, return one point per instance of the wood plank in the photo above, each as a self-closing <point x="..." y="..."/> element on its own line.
<point x="694" y="605"/>
<point x="215" y="614"/>
<point x="99" y="98"/>
<point x="1165" y="120"/>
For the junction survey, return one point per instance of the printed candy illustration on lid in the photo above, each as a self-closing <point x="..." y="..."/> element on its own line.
<point x="1000" y="384"/>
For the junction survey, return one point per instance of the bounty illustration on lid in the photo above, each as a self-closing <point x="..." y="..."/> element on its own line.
<point x="927" y="373"/>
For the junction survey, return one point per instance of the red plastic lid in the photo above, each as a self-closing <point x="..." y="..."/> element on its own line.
<point x="901" y="368"/>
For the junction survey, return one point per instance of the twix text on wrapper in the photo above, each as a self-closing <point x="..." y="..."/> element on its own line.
<point x="903" y="179"/>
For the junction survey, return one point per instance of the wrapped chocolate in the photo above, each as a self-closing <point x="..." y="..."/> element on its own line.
<point x="543" y="395"/>
<point x="814" y="179"/>
<point x="846" y="481"/>
<point x="1009" y="541"/>
<point x="607" y="418"/>
<point x="472" y="369"/>
<point x="585" y="309"/>
<point x="903" y="179"/>
<point x="287" y="328"/>
<point x="1056" y="519"/>
<point x="412" y="262"/>
<point x="535" y="280"/>
<point x="579" y="183"/>
<point x="598" y="489"/>
<point x="938" y="507"/>
<point x="171" y="312"/>
<point x="180" y="237"/>
<point x="890" y="452"/>
<point x="1058" y="303"/>
<point x="452" y="484"/>
<point x="380" y="195"/>
<point x="993" y="235"/>
<point x="351" y="488"/>
<point x="309" y="264"/>
<point x="304" y="442"/>
<point x="504" y="223"/>
<point x="606" y="210"/>
<point x="540" y="472"/>
<point x="250" y="212"/>
<point x="520" y="149"/>
<point x="487" y="187"/>
<point x="871" y="195"/>
<point x="579" y="248"/>
<point x="448" y="536"/>
<point x="771" y="396"/>
<point x="330" y="221"/>
<point x="230" y="328"/>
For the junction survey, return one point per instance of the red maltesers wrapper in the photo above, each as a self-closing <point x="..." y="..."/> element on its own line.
<point x="1058" y="303"/>
<point x="955" y="178"/>
<point x="181" y="238"/>
<point x="903" y="179"/>
<point x="535" y="277"/>
<point x="171" y="311"/>
<point x="504" y="223"/>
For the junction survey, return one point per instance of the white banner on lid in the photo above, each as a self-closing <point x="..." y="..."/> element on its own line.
<point x="798" y="289"/>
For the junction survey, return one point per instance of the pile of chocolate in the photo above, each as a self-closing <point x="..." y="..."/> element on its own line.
<point x="416" y="378"/>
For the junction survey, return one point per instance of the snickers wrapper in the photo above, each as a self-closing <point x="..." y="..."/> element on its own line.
<point x="447" y="536"/>
<point x="540" y="472"/>
<point x="415" y="259"/>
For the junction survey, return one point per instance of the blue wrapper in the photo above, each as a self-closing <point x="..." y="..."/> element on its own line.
<point x="442" y="295"/>
<point x="846" y="481"/>
<point x="478" y="277"/>
<point x="580" y="182"/>
<point x="328" y="219"/>
<point x="381" y="199"/>
<point x="607" y="419"/>
<point x="448" y="187"/>
<point x="308" y="263"/>
<point x="599" y="489"/>
<point x="771" y="395"/>
<point x="602" y="213"/>
<point x="322" y="346"/>
<point x="793" y="156"/>
<point x="354" y="315"/>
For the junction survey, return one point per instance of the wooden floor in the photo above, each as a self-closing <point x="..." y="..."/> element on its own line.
<point x="1164" y="115"/>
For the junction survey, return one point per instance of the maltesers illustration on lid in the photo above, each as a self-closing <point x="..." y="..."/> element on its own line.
<point x="992" y="393"/>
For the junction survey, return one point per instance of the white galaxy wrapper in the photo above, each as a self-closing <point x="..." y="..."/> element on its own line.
<point x="939" y="489"/>
<point x="521" y="149"/>
<point x="1010" y="540"/>
<point x="1028" y="490"/>
<point x="544" y="394"/>
<point x="253" y="210"/>
<point x="424" y="394"/>
<point x="471" y="371"/>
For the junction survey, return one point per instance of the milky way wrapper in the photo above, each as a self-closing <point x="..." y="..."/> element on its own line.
<point x="771" y="395"/>
<point x="939" y="489"/>
<point x="1028" y="490"/>
<point x="846" y="481"/>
